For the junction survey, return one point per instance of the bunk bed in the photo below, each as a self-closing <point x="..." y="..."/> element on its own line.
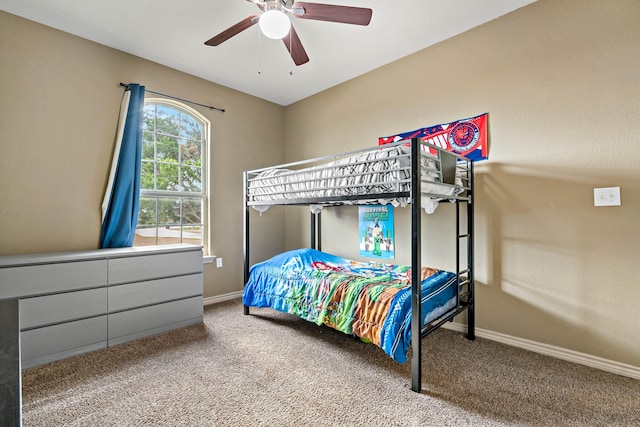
<point x="418" y="300"/>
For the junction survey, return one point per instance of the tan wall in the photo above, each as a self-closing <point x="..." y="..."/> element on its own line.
<point x="560" y="80"/>
<point x="59" y="104"/>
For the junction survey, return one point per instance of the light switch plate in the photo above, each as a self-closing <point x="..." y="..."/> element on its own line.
<point x="218" y="262"/>
<point x="608" y="196"/>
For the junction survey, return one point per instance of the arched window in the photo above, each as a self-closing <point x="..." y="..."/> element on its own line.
<point x="173" y="195"/>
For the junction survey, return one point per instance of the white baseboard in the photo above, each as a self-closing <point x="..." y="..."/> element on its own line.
<point x="553" y="351"/>
<point x="221" y="298"/>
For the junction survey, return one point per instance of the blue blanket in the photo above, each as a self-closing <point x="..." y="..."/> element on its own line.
<point x="366" y="299"/>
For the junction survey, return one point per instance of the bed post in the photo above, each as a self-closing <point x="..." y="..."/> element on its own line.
<point x="416" y="276"/>
<point x="471" y="320"/>
<point x="319" y="232"/>
<point x="313" y="231"/>
<point x="245" y="233"/>
<point x="316" y="231"/>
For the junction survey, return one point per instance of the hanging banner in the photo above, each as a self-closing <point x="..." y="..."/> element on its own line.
<point x="376" y="231"/>
<point x="467" y="137"/>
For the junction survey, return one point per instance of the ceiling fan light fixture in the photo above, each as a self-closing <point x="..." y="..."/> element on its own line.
<point x="274" y="24"/>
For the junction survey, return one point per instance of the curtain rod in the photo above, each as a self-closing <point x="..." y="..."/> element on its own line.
<point x="126" y="86"/>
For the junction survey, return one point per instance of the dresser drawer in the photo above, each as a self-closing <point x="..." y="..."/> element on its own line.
<point x="55" y="342"/>
<point x="50" y="278"/>
<point x="124" y="297"/>
<point x="137" y="268"/>
<point x="141" y="322"/>
<point x="63" y="307"/>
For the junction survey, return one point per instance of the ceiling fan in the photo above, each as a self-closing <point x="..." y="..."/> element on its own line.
<point x="274" y="22"/>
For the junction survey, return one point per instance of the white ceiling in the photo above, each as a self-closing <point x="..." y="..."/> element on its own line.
<point x="173" y="33"/>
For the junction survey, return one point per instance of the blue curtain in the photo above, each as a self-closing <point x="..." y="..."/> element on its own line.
<point x="122" y="198"/>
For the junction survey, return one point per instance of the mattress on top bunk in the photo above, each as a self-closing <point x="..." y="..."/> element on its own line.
<point x="366" y="299"/>
<point x="375" y="172"/>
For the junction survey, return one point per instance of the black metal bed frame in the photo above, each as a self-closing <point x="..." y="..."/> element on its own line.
<point x="464" y="237"/>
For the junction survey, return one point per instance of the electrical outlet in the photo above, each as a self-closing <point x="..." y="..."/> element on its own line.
<point x="218" y="262"/>
<point x="609" y="196"/>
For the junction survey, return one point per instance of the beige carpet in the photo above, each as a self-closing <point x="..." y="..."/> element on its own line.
<point x="272" y="369"/>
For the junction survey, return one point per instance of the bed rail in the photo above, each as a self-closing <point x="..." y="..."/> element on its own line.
<point x="373" y="175"/>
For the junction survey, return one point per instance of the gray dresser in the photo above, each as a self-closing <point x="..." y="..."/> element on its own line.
<point x="73" y="302"/>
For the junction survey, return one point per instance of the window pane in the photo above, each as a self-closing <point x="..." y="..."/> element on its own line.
<point x="167" y="178"/>
<point x="149" y="116"/>
<point x="145" y="236"/>
<point x="169" y="235"/>
<point x="191" y="178"/>
<point x="147" y="146"/>
<point x="168" y="211"/>
<point x="147" y="213"/>
<point x="146" y="179"/>
<point x="169" y="231"/>
<point x="167" y="149"/>
<point x="190" y="153"/>
<point x="167" y="120"/>
<point x="192" y="235"/>
<point x="190" y="129"/>
<point x="191" y="211"/>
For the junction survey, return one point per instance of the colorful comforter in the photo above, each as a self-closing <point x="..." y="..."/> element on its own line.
<point x="370" y="300"/>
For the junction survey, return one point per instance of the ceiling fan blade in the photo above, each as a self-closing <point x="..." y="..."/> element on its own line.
<point x="247" y="22"/>
<point x="294" y="46"/>
<point x="332" y="13"/>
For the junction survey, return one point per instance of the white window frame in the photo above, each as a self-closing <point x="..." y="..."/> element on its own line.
<point x="205" y="163"/>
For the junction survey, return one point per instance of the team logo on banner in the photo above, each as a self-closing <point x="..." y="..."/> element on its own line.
<point x="467" y="137"/>
<point x="464" y="136"/>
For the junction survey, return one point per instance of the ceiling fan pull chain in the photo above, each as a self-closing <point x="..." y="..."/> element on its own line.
<point x="259" y="53"/>
<point x="290" y="38"/>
